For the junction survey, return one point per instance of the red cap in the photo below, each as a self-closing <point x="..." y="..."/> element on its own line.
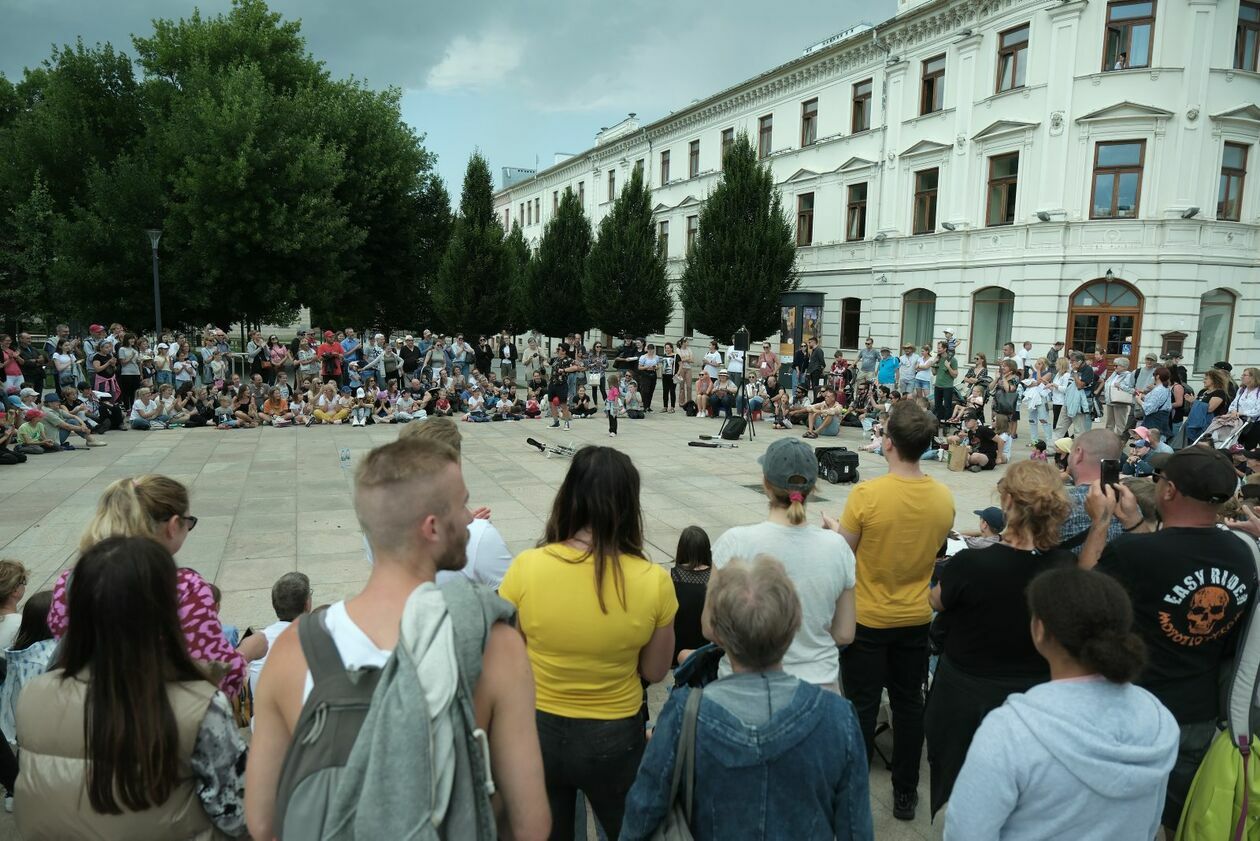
<point x="95" y="328"/>
<point x="34" y="414"/>
<point x="328" y="334"/>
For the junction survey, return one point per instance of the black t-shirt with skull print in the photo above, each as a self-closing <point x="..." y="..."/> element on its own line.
<point x="1191" y="588"/>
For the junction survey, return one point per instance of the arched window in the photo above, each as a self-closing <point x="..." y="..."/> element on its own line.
<point x="918" y="317"/>
<point x="1216" y="320"/>
<point x="1106" y="313"/>
<point x="992" y="313"/>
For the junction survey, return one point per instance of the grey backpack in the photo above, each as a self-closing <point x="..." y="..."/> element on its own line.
<point x="318" y="781"/>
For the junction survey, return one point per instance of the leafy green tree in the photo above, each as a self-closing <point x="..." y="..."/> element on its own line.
<point x="554" y="301"/>
<point x="274" y="185"/>
<point x="626" y="287"/>
<point x="518" y="256"/>
<point x="744" y="257"/>
<point x="26" y="258"/>
<point x="471" y="289"/>
<point x="81" y="108"/>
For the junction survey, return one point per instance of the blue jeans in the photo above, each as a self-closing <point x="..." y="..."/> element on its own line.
<point x="164" y="377"/>
<point x="598" y="758"/>
<point x="754" y="404"/>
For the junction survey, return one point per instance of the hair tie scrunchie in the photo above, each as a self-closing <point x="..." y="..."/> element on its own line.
<point x="796" y="496"/>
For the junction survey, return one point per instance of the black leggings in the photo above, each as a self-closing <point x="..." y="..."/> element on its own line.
<point x="599" y="758"/>
<point x="669" y="394"/>
<point x="128" y="384"/>
<point x="1055" y="421"/>
<point x="8" y="767"/>
<point x="647" y="385"/>
<point x="612" y="422"/>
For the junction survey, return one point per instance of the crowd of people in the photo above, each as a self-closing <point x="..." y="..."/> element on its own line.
<point x="1060" y="667"/>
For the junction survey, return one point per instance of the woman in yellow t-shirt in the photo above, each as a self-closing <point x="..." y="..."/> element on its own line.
<point x="597" y="616"/>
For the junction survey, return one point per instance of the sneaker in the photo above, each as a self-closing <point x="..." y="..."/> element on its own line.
<point x="8" y="803"/>
<point x="904" y="803"/>
<point x="68" y="447"/>
<point x="612" y="435"/>
<point x="309" y="421"/>
<point x="555" y="424"/>
<point x="567" y="426"/>
<point x="97" y="444"/>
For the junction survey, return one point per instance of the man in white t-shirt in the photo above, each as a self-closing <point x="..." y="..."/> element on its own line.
<point x="820" y="563"/>
<point x="412" y="504"/>
<point x="735" y="365"/>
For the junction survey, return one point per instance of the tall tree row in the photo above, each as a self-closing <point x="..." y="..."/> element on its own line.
<point x="744" y="256"/>
<point x="275" y="185"/>
<point x="472" y="290"/>
<point x="626" y="286"/>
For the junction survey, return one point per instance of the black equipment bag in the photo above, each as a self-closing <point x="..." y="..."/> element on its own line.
<point x="837" y="464"/>
<point x="733" y="428"/>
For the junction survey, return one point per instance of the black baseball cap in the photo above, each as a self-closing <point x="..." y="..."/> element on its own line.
<point x="1199" y="472"/>
<point x="994" y="517"/>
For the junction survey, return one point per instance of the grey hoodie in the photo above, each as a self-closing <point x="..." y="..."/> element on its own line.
<point x="1081" y="759"/>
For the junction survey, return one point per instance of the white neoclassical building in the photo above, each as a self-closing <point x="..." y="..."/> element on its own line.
<point x="1013" y="169"/>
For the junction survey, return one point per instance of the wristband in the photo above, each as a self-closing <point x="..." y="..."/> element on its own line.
<point x="1132" y="527"/>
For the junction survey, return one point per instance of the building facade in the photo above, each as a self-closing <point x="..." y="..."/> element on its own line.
<point x="1011" y="169"/>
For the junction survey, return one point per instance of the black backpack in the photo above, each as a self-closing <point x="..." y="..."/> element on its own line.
<point x="690" y="409"/>
<point x="733" y="428"/>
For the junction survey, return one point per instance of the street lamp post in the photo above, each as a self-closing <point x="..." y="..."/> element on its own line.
<point x="155" y="234"/>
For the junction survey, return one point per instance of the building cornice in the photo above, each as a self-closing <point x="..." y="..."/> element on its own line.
<point x="903" y="33"/>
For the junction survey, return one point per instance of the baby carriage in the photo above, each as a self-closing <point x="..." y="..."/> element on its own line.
<point x="1223" y="433"/>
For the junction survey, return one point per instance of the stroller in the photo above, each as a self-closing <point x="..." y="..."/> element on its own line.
<point x="1223" y="434"/>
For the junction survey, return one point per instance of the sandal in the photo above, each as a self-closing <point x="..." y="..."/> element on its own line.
<point x="809" y="434"/>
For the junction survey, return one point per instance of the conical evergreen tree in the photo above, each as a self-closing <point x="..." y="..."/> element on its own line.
<point x="744" y="255"/>
<point x="518" y="256"/>
<point x="471" y="290"/>
<point x="626" y="287"/>
<point x="553" y="298"/>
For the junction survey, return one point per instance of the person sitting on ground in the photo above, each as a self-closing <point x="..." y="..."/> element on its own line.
<point x="793" y="751"/>
<point x="145" y="411"/>
<point x="818" y="561"/>
<point x="170" y="764"/>
<point x="244" y="409"/>
<point x="32" y="438"/>
<point x="824" y="416"/>
<point x="983" y="617"/>
<point x="407" y="408"/>
<point x="1084" y="756"/>
<point x="13" y="577"/>
<point x="383" y="410"/>
<point x="442" y="406"/>
<point x="632" y="402"/>
<point x="988" y="532"/>
<point x="582" y="406"/>
<point x="984" y="452"/>
<point x="1191" y="585"/>
<point x="63" y="424"/>
<point x="276" y="411"/>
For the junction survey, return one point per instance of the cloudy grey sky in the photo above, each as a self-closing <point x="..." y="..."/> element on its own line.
<point x="519" y="80"/>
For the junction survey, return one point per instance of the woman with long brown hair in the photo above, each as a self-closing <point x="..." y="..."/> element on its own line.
<point x="127" y="737"/>
<point x="598" y="617"/>
<point x="157" y="507"/>
<point x="983" y="618"/>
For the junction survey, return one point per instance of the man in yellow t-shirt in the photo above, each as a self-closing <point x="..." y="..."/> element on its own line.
<point x="896" y="525"/>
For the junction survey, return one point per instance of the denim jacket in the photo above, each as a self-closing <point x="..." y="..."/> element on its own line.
<point x="801" y="774"/>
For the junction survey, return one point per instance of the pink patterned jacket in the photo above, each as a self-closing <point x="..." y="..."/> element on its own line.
<point x="198" y="618"/>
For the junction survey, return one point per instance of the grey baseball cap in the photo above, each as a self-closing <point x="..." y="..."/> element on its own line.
<point x="790" y="464"/>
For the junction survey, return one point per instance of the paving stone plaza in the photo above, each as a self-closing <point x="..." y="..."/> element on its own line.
<point x="269" y="501"/>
